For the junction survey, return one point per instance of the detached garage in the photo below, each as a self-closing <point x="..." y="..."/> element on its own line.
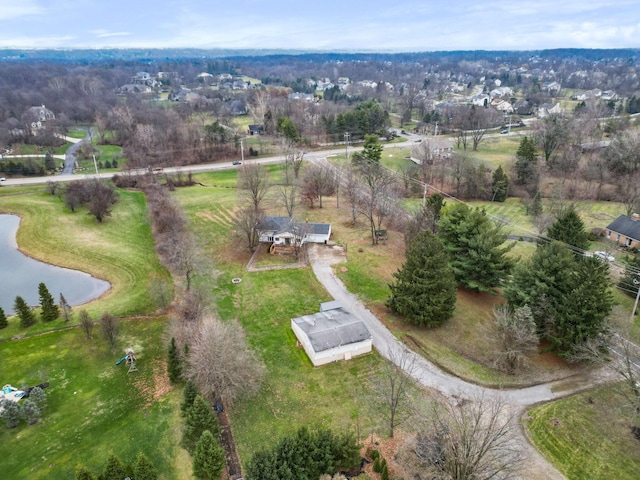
<point x="332" y="334"/>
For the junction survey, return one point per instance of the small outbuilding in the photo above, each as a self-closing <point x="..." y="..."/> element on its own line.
<point x="332" y="334"/>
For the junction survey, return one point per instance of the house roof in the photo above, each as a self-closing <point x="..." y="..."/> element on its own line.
<point x="332" y="328"/>
<point x="286" y="224"/>
<point x="626" y="226"/>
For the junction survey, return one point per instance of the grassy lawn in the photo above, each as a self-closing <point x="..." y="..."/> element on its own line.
<point x="586" y="436"/>
<point x="295" y="393"/>
<point x="94" y="407"/>
<point x="119" y="250"/>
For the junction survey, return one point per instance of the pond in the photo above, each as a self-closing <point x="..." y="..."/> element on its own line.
<point x="20" y="275"/>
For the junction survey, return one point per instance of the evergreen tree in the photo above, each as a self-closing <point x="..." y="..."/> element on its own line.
<point x="474" y="244"/>
<point x="10" y="413"/>
<point x="66" y="308"/>
<point x="49" y="162"/>
<point x="372" y="150"/>
<point x="526" y="159"/>
<point x="630" y="281"/>
<point x="82" y="473"/>
<point x="30" y="412"/>
<point x="4" y="323"/>
<point x="49" y="310"/>
<point x="174" y="367"/>
<point x="208" y="458"/>
<point x="424" y="290"/>
<point x="499" y="185"/>
<point x="24" y="312"/>
<point x="569" y="229"/>
<point x="39" y="397"/>
<point x="569" y="296"/>
<point x="535" y="207"/>
<point x="199" y="419"/>
<point x="114" y="469"/>
<point x="189" y="394"/>
<point x="144" y="469"/>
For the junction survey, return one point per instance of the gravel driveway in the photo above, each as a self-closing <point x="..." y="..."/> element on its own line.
<point x="426" y="373"/>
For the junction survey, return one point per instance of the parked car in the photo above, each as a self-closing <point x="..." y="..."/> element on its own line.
<point x="237" y="162"/>
<point x="605" y="256"/>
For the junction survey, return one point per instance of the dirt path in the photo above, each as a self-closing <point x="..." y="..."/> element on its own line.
<point x="430" y="376"/>
<point x="234" y="471"/>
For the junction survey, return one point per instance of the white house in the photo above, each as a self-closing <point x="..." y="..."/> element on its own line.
<point x="332" y="334"/>
<point x="283" y="231"/>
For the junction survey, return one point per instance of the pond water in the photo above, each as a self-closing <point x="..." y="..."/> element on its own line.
<point x="20" y="275"/>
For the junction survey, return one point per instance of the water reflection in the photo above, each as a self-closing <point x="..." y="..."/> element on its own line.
<point x="20" y="275"/>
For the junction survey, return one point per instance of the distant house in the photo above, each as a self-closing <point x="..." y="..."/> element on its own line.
<point x="522" y="107"/>
<point x="547" y="109"/>
<point x="39" y="114"/>
<point x="551" y="87"/>
<point x="256" y="129"/>
<point x="501" y="105"/>
<point x="625" y="230"/>
<point x="332" y="334"/>
<point x="304" y="97"/>
<point x="480" y="100"/>
<point x="284" y="232"/>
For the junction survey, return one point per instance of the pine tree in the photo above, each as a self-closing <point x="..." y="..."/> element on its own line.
<point x="114" y="469"/>
<point x="630" y="281"/>
<point x="569" y="295"/>
<point x="535" y="207"/>
<point x="208" y="458"/>
<point x="424" y="290"/>
<point x="526" y="159"/>
<point x="66" y="308"/>
<point x="499" y="185"/>
<point x="30" y="412"/>
<point x="174" y="367"/>
<point x="189" y="394"/>
<point x="4" y="323"/>
<point x="144" y="469"/>
<point x="10" y="413"/>
<point x="39" y="397"/>
<point x="24" y="312"/>
<point x="199" y="419"/>
<point x="569" y="229"/>
<point x="82" y="473"/>
<point x="50" y="310"/>
<point x="474" y="244"/>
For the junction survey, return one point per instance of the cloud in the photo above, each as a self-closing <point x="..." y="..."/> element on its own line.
<point x="105" y="34"/>
<point x="10" y="9"/>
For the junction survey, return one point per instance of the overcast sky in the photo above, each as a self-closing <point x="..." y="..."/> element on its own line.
<point x="373" y="25"/>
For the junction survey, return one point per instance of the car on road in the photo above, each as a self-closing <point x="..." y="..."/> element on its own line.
<point x="504" y="132"/>
<point x="237" y="162"/>
<point x="2" y="179"/>
<point x="604" y="256"/>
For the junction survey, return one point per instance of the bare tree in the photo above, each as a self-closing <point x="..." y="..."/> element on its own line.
<point x="550" y="134"/>
<point x="86" y="324"/>
<point x="374" y="195"/>
<point x="102" y="196"/>
<point x="317" y="182"/>
<point x="352" y="192"/>
<point x="469" y="441"/>
<point x="246" y="225"/>
<point x="517" y="334"/>
<point x="221" y="362"/>
<point x="293" y="159"/>
<point x="393" y="388"/>
<point x="289" y="195"/>
<point x="110" y="328"/>
<point x="254" y="184"/>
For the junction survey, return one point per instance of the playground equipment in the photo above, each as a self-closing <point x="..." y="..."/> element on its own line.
<point x="130" y="359"/>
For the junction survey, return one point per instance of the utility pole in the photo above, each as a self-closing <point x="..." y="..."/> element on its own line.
<point x="95" y="164"/>
<point x="347" y="136"/>
<point x="242" y="149"/>
<point x="635" y="304"/>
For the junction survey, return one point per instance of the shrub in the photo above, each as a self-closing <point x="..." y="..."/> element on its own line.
<point x="3" y="319"/>
<point x="30" y="412"/>
<point x="10" y="413"/>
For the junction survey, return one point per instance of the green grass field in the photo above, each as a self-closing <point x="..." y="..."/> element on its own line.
<point x="94" y="407"/>
<point x="119" y="250"/>
<point x="586" y="436"/>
